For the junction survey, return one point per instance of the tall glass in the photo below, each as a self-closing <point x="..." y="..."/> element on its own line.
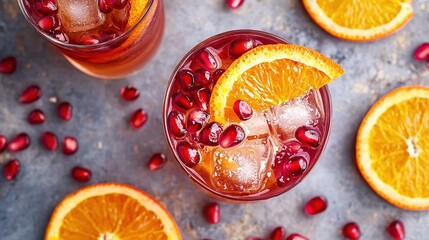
<point x="122" y="54"/>
<point x="234" y="178"/>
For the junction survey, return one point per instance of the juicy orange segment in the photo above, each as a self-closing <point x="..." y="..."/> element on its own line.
<point x="361" y="20"/>
<point x="110" y="212"/>
<point x="269" y="75"/>
<point x="392" y="147"/>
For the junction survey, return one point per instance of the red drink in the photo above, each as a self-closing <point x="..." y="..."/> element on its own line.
<point x="103" y="38"/>
<point x="280" y="145"/>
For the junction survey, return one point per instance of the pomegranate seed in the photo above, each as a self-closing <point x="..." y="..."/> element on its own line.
<point x="3" y="143"/>
<point x="138" y="119"/>
<point x="351" y="231"/>
<point x="8" y="65"/>
<point x="240" y="46"/>
<point x="119" y="4"/>
<point x="278" y="233"/>
<point x="130" y="93"/>
<point x="89" y="40"/>
<point x="30" y="94"/>
<point x="255" y="238"/>
<point x="65" y="111"/>
<point x="207" y="60"/>
<point x="217" y="74"/>
<point x="186" y="78"/>
<point x="203" y="78"/>
<point x="70" y="145"/>
<point x="175" y="124"/>
<point x="316" y="205"/>
<point x="287" y="163"/>
<point x="243" y="110"/>
<point x="234" y="4"/>
<point x="36" y="117"/>
<point x="187" y="154"/>
<point x="202" y="98"/>
<point x="105" y="6"/>
<point x="49" y="140"/>
<point x="209" y="135"/>
<point x="48" y="23"/>
<point x="196" y="120"/>
<point x="80" y="174"/>
<point x="211" y="213"/>
<point x="308" y="136"/>
<point x="296" y="236"/>
<point x="19" y="143"/>
<point x="157" y="161"/>
<point x="182" y="101"/>
<point x="60" y="36"/>
<point x="396" y="230"/>
<point x="108" y="35"/>
<point x="422" y="52"/>
<point x="232" y="136"/>
<point x="296" y="166"/>
<point x="11" y="169"/>
<point x="46" y="6"/>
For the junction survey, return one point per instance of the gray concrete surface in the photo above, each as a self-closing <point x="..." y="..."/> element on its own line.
<point x="373" y="69"/>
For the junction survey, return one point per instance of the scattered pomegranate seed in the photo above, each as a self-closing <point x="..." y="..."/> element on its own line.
<point x="3" y="143"/>
<point x="243" y="110"/>
<point x="138" y="119"/>
<point x="105" y="6"/>
<point x="196" y="120"/>
<point x="316" y="205"/>
<point x="46" y="6"/>
<point x="36" y="117"/>
<point x="49" y="141"/>
<point x="202" y="98"/>
<point x="8" y="65"/>
<point x="278" y="233"/>
<point x="30" y="94"/>
<point x="186" y="78"/>
<point x="11" y="169"/>
<point x="255" y="238"/>
<point x="81" y="174"/>
<point x="48" y="23"/>
<point x="217" y="74"/>
<point x="187" y="154"/>
<point x="240" y="46"/>
<point x="65" y="111"/>
<point x="203" y="78"/>
<point x="130" y="93"/>
<point x="176" y="124"/>
<point x="207" y="60"/>
<point x="157" y="161"/>
<point x="60" y="36"/>
<point x="396" y="230"/>
<point x="422" y="52"/>
<point x="211" y="213"/>
<point x="234" y="4"/>
<point x="182" y="101"/>
<point x="119" y="4"/>
<point x="19" y="143"/>
<point x="70" y="145"/>
<point x="308" y="136"/>
<point x="232" y="136"/>
<point x="209" y="135"/>
<point x="351" y="231"/>
<point x="296" y="236"/>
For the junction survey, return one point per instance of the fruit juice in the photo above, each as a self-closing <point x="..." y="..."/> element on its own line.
<point x="103" y="38"/>
<point x="279" y="146"/>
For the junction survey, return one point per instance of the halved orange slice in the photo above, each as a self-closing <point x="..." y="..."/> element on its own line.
<point x="362" y="20"/>
<point x="269" y="75"/>
<point x="392" y="147"/>
<point x="110" y="211"/>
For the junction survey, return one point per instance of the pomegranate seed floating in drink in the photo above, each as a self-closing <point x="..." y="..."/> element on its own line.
<point x="211" y="213"/>
<point x="11" y="169"/>
<point x="19" y="143"/>
<point x="243" y="110"/>
<point x="8" y="65"/>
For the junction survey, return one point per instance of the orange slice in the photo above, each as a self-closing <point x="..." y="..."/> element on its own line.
<point x="269" y="75"/>
<point x="392" y="148"/>
<point x="110" y="211"/>
<point x="361" y="20"/>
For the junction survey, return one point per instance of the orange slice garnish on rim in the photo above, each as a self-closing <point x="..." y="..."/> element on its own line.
<point x="392" y="148"/>
<point x="110" y="211"/>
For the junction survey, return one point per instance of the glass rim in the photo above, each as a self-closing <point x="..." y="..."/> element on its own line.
<point x="81" y="46"/>
<point x="326" y="102"/>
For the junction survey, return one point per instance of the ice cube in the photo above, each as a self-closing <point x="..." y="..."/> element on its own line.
<point x="79" y="15"/>
<point x="242" y="169"/>
<point x="257" y="126"/>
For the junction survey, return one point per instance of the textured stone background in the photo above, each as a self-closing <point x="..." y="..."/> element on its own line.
<point x="373" y="69"/>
